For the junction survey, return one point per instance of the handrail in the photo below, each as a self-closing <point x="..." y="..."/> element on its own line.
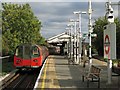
<point x="4" y="57"/>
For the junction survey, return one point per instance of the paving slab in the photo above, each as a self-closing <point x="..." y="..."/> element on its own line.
<point x="58" y="74"/>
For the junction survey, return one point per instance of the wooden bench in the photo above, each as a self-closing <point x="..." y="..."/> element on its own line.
<point x="92" y="76"/>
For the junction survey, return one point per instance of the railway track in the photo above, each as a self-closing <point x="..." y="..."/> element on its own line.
<point x="21" y="80"/>
<point x="9" y="79"/>
<point x="24" y="79"/>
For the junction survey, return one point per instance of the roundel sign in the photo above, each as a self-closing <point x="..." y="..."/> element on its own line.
<point x="107" y="44"/>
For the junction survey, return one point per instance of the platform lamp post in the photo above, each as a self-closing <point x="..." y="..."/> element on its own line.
<point x="90" y="30"/>
<point x="79" y="35"/>
<point x="75" y="40"/>
<point x="68" y="43"/>
<point x="70" y="40"/>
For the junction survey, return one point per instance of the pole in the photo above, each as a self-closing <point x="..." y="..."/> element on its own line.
<point x="75" y="43"/>
<point x="80" y="39"/>
<point x="90" y="31"/>
<point x="71" y="47"/>
<point x="119" y="10"/>
<point x="77" y="47"/>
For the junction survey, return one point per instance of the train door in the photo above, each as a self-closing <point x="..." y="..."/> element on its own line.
<point x="27" y="55"/>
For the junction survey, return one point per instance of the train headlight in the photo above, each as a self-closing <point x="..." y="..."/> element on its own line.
<point x="35" y="60"/>
<point x="18" y="60"/>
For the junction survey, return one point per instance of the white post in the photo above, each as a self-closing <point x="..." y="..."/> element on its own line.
<point x="75" y="43"/>
<point x="79" y="36"/>
<point x="72" y="40"/>
<point x="80" y="39"/>
<point x="109" y="71"/>
<point x="90" y="31"/>
<point x="71" y="47"/>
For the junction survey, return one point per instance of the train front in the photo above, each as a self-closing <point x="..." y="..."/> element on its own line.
<point x="27" y="56"/>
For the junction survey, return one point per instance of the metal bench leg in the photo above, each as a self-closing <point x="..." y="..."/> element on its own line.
<point x="99" y="83"/>
<point x="92" y="79"/>
<point x="88" y="83"/>
<point x="83" y="78"/>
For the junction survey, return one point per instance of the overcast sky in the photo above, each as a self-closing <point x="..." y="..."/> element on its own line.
<point x="55" y="15"/>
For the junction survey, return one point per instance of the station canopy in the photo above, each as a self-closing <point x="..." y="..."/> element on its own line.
<point x="60" y="38"/>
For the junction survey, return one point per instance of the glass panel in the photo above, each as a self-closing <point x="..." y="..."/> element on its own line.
<point x="19" y="52"/>
<point x="35" y="51"/>
<point x="23" y="52"/>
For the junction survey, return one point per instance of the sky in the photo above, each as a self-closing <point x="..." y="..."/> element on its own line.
<point x="55" y="14"/>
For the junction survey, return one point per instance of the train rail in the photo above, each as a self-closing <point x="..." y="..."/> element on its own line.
<point x="25" y="79"/>
<point x="8" y="80"/>
<point x="22" y="80"/>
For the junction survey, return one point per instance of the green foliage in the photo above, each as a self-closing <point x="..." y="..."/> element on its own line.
<point x="118" y="37"/>
<point x="19" y="25"/>
<point x="98" y="29"/>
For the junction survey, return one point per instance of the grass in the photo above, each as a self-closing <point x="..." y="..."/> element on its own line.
<point x="7" y="66"/>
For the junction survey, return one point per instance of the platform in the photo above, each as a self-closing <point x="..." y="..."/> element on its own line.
<point x="58" y="74"/>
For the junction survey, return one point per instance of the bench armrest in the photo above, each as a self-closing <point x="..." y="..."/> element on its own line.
<point x="94" y="74"/>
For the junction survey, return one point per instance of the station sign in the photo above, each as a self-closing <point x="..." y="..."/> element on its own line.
<point x="110" y="41"/>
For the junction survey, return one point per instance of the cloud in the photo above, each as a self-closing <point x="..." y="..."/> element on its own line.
<point x="58" y="0"/>
<point x="55" y="15"/>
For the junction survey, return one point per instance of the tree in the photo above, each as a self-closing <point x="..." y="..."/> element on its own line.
<point x="98" y="29"/>
<point x="19" y="25"/>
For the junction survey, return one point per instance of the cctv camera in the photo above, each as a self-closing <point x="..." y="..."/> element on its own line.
<point x="111" y="10"/>
<point x="105" y="27"/>
<point x="110" y="18"/>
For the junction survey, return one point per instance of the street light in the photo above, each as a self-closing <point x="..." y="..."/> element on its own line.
<point x="90" y="29"/>
<point x="68" y="42"/>
<point x="79" y="12"/>
<point x="79" y="35"/>
<point x="75" y="39"/>
<point x="71" y="40"/>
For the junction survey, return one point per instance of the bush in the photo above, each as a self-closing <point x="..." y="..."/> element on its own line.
<point x="115" y="62"/>
<point x="4" y="52"/>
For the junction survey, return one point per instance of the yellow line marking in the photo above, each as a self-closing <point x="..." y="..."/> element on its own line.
<point x="43" y="82"/>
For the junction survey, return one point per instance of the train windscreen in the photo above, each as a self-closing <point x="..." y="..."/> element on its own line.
<point x="23" y="52"/>
<point x="35" y="52"/>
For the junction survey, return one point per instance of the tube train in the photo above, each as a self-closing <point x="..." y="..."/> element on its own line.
<point x="30" y="56"/>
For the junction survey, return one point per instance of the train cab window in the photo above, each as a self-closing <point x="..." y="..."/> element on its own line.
<point x="19" y="52"/>
<point x="35" y="51"/>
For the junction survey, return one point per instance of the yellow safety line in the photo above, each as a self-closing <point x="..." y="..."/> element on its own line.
<point x="44" y="76"/>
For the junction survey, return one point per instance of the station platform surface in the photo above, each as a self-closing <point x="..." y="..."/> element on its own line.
<point x="58" y="74"/>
